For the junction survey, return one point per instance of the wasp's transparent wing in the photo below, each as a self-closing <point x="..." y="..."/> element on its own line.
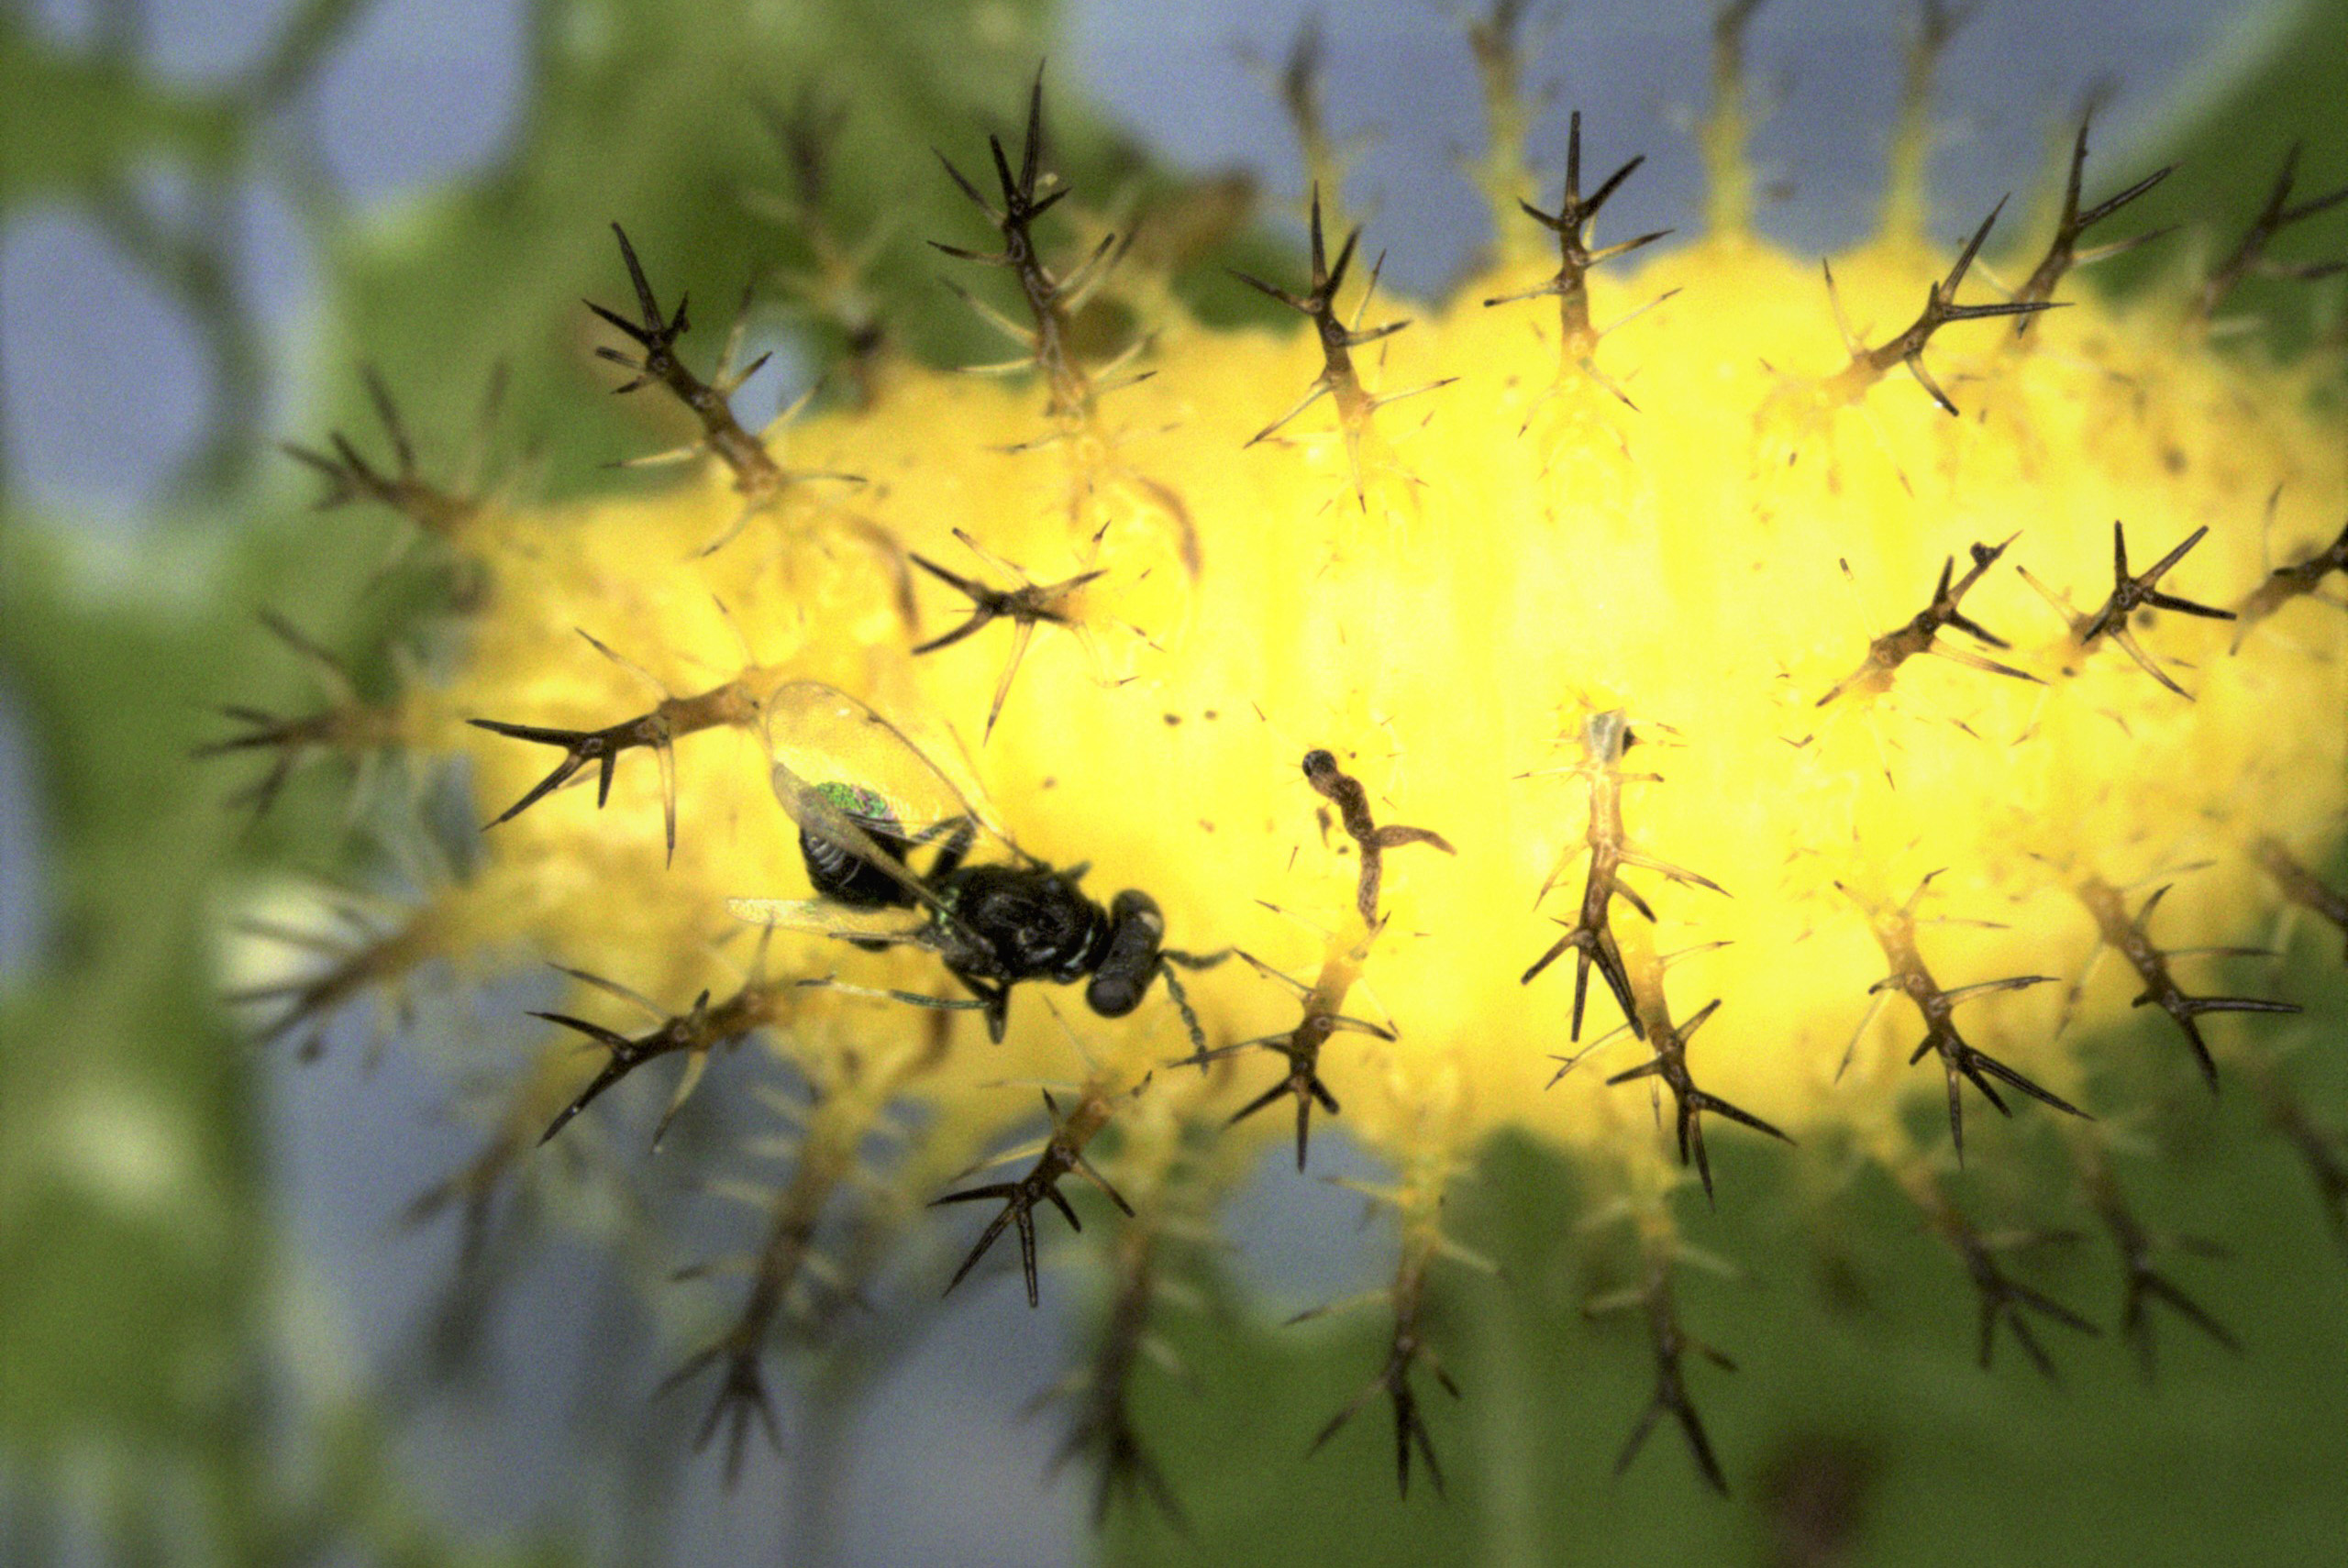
<point x="825" y="918"/>
<point x="863" y="794"/>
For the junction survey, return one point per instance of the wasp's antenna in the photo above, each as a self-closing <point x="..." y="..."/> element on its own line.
<point x="2249" y="256"/>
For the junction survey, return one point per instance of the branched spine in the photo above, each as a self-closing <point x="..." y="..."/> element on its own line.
<point x="1672" y="1344"/>
<point x="2003" y="1298"/>
<point x="1337" y="380"/>
<point x="1497" y="40"/>
<point x="1576" y="336"/>
<point x="848" y="1106"/>
<point x="695" y="1033"/>
<point x="442" y="512"/>
<point x="2299" y="884"/>
<point x="758" y="479"/>
<point x="1605" y="737"/>
<point x="362" y="955"/>
<point x="1895" y="932"/>
<point x="2249" y="258"/>
<point x="1406" y="1350"/>
<point x="1063" y="1155"/>
<point x="1727" y="128"/>
<point x="2063" y="252"/>
<point x="2138" y="1247"/>
<point x="347" y="726"/>
<point x="1669" y="1063"/>
<point x="1029" y="605"/>
<point x="737" y="703"/>
<point x="1868" y="364"/>
<point x="1907" y="192"/>
<point x="2129" y="937"/>
<point x="1051" y="300"/>
<point x="1919" y="634"/>
<point x="2129" y="594"/>
<point x="1302" y="1045"/>
<point x="2298" y="579"/>
<point x="834" y="289"/>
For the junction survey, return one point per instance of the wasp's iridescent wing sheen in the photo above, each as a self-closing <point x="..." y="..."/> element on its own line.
<point x="856" y="783"/>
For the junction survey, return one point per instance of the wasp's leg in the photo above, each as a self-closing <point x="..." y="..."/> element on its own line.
<point x="911" y="998"/>
<point x="994" y="1002"/>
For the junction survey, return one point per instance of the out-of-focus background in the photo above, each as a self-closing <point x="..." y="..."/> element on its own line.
<point x="222" y="1343"/>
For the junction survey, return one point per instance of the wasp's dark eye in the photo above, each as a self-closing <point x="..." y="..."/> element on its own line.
<point x="1114" y="996"/>
<point x="1132" y="960"/>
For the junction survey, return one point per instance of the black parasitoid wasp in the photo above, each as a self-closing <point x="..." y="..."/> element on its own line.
<point x="866" y="800"/>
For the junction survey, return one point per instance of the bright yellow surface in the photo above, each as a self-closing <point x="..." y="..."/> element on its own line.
<point x="1517" y="559"/>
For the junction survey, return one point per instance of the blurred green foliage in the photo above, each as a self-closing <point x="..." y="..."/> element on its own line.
<point x="137" y="1256"/>
<point x="141" y="1392"/>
